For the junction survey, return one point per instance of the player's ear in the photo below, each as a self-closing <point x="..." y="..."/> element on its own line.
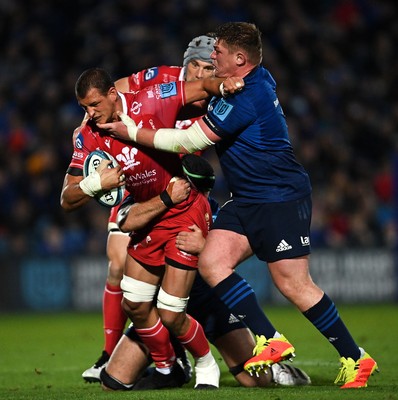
<point x="112" y="92"/>
<point x="240" y="59"/>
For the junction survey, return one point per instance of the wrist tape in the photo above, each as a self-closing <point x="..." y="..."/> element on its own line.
<point x="166" y="199"/>
<point x="91" y="184"/>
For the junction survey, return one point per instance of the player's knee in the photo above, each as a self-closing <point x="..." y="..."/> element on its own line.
<point x="115" y="269"/>
<point x="172" y="310"/>
<point x="137" y="297"/>
<point x="172" y="303"/>
<point x="110" y="383"/>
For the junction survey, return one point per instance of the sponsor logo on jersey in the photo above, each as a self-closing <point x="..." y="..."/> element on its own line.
<point x="79" y="141"/>
<point x="283" y="246"/>
<point x="168" y="90"/>
<point x="135" y="108"/>
<point x="222" y="109"/>
<point x="150" y="73"/>
<point x="139" y="176"/>
<point x="78" y="154"/>
<point x="127" y="157"/>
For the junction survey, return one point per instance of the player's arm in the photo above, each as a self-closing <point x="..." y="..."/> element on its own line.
<point x="195" y="138"/>
<point x="212" y="86"/>
<point x="77" y="191"/>
<point x="134" y="216"/>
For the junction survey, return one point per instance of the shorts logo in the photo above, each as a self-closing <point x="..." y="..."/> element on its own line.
<point x="222" y="109"/>
<point x="150" y="73"/>
<point x="305" y="240"/>
<point x="232" y="319"/>
<point x="168" y="90"/>
<point x="283" y="246"/>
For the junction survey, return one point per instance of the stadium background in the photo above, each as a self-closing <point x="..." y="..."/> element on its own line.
<point x="336" y="66"/>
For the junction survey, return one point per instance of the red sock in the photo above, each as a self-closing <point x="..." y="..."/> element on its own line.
<point x="194" y="339"/>
<point x="113" y="316"/>
<point x="157" y="340"/>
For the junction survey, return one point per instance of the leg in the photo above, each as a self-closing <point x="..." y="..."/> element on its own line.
<point x="223" y="251"/>
<point x="292" y="278"/>
<point x="114" y="318"/>
<point x="236" y="347"/>
<point x="139" y="289"/>
<point x="113" y="314"/>
<point x="128" y="362"/>
<point x="172" y="301"/>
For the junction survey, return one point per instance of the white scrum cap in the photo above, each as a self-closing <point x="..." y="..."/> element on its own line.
<point x="199" y="48"/>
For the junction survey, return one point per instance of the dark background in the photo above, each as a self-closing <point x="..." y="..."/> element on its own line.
<point x="335" y="63"/>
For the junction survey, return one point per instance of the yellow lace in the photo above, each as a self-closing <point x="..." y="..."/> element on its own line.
<point x="261" y="344"/>
<point x="347" y="371"/>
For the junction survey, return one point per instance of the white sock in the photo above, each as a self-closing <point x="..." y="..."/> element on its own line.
<point x="164" y="371"/>
<point x="204" y="361"/>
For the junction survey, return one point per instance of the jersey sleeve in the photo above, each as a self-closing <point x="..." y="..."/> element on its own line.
<point x="84" y="143"/>
<point x="163" y="101"/>
<point x="225" y="117"/>
<point x="153" y="76"/>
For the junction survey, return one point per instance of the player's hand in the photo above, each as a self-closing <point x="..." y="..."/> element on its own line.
<point x="231" y="85"/>
<point x="178" y="189"/>
<point x="110" y="177"/>
<point x="192" y="241"/>
<point x="125" y="129"/>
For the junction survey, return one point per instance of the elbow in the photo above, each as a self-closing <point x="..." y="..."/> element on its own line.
<point x="67" y="206"/>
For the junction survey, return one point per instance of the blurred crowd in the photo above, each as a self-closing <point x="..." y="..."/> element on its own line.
<point x="335" y="63"/>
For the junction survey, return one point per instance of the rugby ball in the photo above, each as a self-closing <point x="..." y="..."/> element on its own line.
<point x="112" y="197"/>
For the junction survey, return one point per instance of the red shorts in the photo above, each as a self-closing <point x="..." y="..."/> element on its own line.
<point x="156" y="246"/>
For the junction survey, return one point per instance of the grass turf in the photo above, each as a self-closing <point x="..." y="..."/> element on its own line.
<point x="42" y="356"/>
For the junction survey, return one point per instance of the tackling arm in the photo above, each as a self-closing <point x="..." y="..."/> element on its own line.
<point x="135" y="216"/>
<point x="197" y="137"/>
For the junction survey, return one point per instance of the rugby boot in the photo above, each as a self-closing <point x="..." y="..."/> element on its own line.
<point x="176" y="378"/>
<point x="268" y="352"/>
<point x="355" y="374"/>
<point x="92" y="374"/>
<point x="287" y="375"/>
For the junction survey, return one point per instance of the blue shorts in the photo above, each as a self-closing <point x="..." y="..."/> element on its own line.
<point x="275" y="231"/>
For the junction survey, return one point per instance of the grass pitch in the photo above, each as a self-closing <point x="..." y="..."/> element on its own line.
<point x="42" y="356"/>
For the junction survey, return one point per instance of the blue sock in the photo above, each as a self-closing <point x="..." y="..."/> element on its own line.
<point x="240" y="298"/>
<point x="325" y="317"/>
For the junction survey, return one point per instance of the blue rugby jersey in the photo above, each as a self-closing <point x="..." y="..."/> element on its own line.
<point x="255" y="152"/>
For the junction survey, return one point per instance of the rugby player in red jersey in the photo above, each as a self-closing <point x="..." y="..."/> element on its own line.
<point x="146" y="174"/>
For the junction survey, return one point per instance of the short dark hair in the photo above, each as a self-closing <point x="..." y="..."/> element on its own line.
<point x="242" y="35"/>
<point x="96" y="78"/>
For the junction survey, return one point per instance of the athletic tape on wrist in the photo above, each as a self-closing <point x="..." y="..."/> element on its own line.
<point x="166" y="199"/>
<point x="91" y="184"/>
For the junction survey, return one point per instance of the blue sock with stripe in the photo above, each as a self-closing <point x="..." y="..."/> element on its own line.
<point x="325" y="317"/>
<point x="240" y="298"/>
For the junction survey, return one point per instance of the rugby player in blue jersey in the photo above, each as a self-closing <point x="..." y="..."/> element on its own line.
<point x="269" y="213"/>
